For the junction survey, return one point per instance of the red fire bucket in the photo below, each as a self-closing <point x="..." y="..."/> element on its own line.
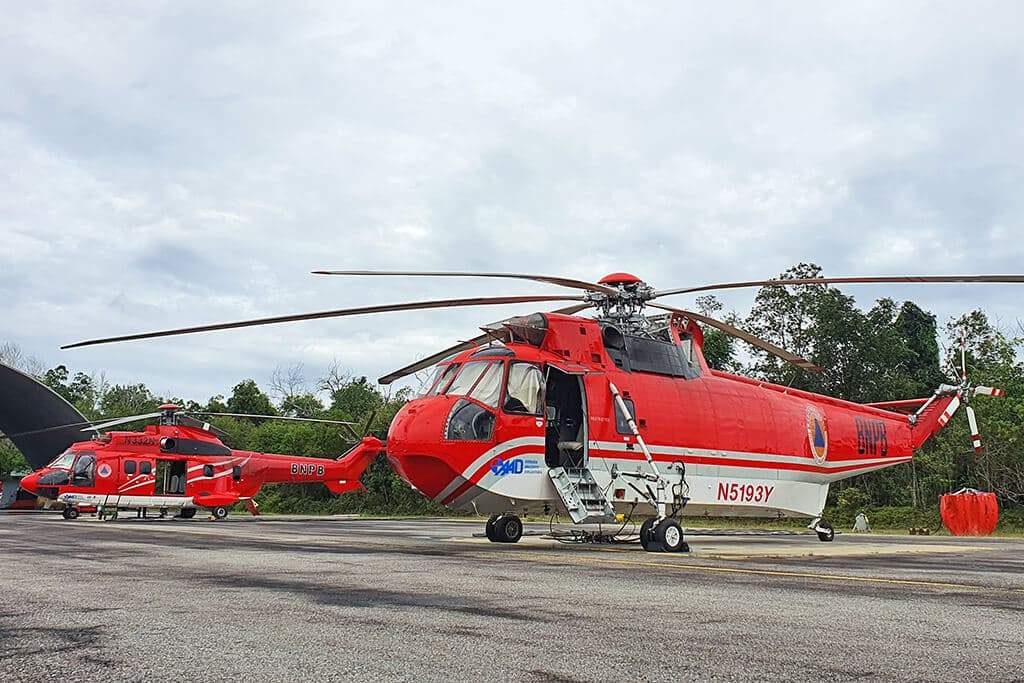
<point x="969" y="512"/>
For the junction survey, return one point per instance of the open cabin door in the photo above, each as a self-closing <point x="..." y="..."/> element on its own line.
<point x="565" y="437"/>
<point x="170" y="477"/>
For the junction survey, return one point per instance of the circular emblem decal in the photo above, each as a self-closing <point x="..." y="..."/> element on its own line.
<point x="103" y="470"/>
<point x="817" y="434"/>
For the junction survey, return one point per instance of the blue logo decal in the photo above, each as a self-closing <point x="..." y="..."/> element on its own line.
<point x="515" y="466"/>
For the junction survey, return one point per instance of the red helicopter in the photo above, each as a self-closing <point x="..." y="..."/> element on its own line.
<point x="181" y="465"/>
<point x="621" y="414"/>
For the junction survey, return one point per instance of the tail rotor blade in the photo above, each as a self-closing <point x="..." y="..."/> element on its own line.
<point x="975" y="434"/>
<point x="989" y="391"/>
<point x="963" y="357"/>
<point x="950" y="410"/>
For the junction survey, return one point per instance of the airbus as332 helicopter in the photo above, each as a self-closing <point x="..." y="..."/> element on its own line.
<point x="620" y="413"/>
<point x="180" y="465"/>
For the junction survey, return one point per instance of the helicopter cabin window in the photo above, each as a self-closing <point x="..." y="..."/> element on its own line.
<point x="129" y="466"/>
<point x="525" y="393"/>
<point x="207" y="470"/>
<point x="621" y="424"/>
<point x="145" y="467"/>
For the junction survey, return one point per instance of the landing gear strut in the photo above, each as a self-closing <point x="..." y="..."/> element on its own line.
<point x="506" y="528"/>
<point x="665" y="535"/>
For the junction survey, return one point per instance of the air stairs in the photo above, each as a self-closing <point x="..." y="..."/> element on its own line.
<point x="582" y="497"/>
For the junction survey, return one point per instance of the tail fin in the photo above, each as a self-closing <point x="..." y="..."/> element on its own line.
<point x="355" y="462"/>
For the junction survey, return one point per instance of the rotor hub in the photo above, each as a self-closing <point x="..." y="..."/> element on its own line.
<point x="624" y="307"/>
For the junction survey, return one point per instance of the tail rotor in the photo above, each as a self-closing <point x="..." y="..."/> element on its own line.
<point x="965" y="391"/>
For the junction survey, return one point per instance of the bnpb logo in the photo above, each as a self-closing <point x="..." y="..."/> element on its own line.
<point x="104" y="470"/>
<point x="817" y="434"/>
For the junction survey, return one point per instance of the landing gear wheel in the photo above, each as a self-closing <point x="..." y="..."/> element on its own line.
<point x="647" y="541"/>
<point x="219" y="512"/>
<point x="826" y="534"/>
<point x="669" y="535"/>
<point x="70" y="513"/>
<point x="508" y="529"/>
<point x="187" y="513"/>
<point x="489" y="528"/>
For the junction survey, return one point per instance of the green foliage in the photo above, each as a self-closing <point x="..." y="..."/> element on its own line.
<point x="11" y="460"/>
<point x="246" y="397"/>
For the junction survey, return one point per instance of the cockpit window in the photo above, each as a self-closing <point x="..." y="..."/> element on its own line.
<point x="63" y="461"/>
<point x="442" y="378"/>
<point x="488" y="388"/>
<point x="84" y="471"/>
<point x="525" y="394"/>
<point x="466" y="378"/>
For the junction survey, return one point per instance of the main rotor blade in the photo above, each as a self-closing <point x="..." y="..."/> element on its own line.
<point x="270" y="417"/>
<point x="747" y="337"/>
<point x="424" y="363"/>
<point x="779" y="282"/>
<point x="550" y="279"/>
<point x="120" y="421"/>
<point x="339" y="313"/>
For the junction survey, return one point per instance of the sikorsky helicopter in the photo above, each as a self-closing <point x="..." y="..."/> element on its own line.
<point x="592" y="416"/>
<point x="180" y="465"/>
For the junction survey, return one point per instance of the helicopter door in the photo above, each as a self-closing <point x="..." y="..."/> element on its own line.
<point x="565" y="438"/>
<point x="170" y="477"/>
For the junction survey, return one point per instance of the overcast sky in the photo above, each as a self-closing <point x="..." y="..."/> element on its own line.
<point x="167" y="164"/>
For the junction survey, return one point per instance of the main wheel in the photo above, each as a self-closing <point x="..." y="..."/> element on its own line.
<point x="647" y="541"/>
<point x="187" y="513"/>
<point x="219" y="512"/>
<point x="826" y="534"/>
<point x="489" y="528"/>
<point x="70" y="512"/>
<point x="508" y="529"/>
<point x="670" y="536"/>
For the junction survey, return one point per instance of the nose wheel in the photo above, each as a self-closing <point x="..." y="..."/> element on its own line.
<point x="506" y="528"/>
<point x="69" y="512"/>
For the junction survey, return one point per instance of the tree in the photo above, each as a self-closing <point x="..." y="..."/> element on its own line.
<point x="247" y="398"/>
<point x="719" y="347"/>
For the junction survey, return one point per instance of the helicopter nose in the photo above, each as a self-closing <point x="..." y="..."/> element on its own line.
<point x="31" y="482"/>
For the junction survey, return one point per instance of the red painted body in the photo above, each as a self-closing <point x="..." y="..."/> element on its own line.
<point x="184" y="467"/>
<point x="710" y="422"/>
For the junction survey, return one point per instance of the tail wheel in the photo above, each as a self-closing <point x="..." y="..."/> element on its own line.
<point x="508" y="529"/>
<point x="826" y="534"/>
<point x="669" y="535"/>
<point x="70" y="512"/>
<point x="489" y="528"/>
<point x="219" y="512"/>
<point x="647" y="541"/>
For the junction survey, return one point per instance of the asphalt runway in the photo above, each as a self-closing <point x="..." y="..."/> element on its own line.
<point x="354" y="599"/>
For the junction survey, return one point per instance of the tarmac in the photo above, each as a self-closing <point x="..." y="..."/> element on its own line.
<point x="290" y="598"/>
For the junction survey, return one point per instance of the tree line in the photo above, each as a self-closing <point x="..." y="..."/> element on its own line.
<point x="890" y="351"/>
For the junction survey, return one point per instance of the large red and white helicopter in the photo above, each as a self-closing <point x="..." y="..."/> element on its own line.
<point x="621" y="413"/>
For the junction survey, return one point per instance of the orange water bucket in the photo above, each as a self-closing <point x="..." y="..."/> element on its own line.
<point x="969" y="512"/>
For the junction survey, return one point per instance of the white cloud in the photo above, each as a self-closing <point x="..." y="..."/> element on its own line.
<point x="180" y="163"/>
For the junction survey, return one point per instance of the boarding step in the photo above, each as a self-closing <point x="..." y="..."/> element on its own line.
<point x="582" y="497"/>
